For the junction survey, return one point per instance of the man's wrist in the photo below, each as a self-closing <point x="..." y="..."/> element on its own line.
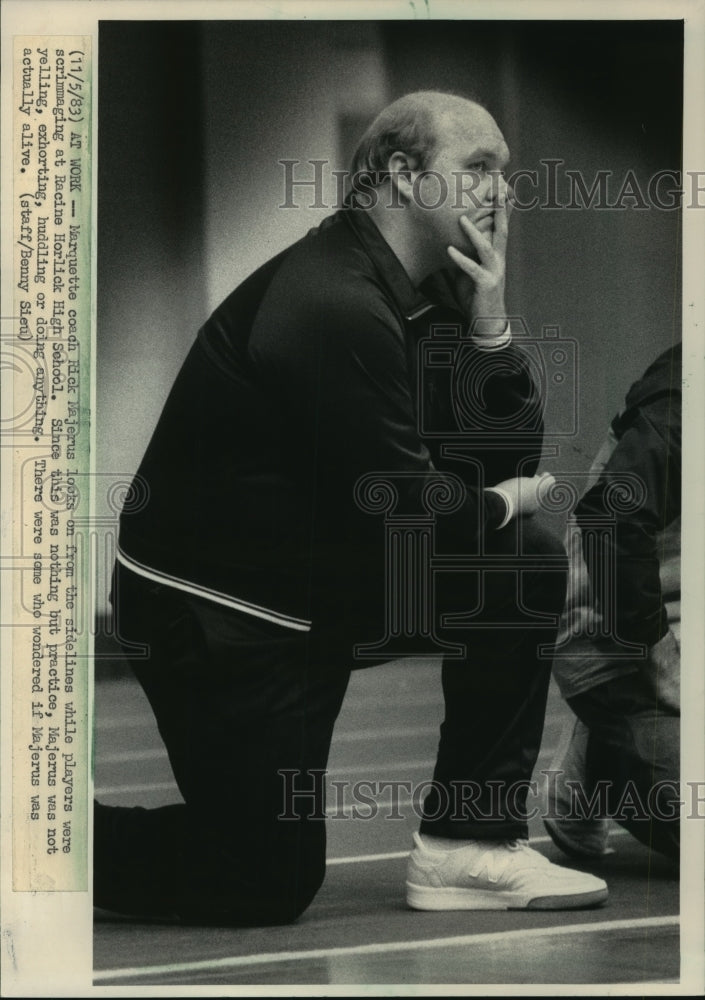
<point x="491" y="338"/>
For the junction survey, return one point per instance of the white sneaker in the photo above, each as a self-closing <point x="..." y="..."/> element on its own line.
<point x="580" y="837"/>
<point x="495" y="875"/>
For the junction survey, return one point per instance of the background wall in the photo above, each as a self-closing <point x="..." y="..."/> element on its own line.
<point x="194" y="118"/>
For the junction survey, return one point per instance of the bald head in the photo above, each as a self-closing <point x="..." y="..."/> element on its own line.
<point x="439" y="158"/>
<point x="414" y="124"/>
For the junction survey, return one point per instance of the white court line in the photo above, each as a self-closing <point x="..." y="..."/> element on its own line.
<point x="342" y="810"/>
<point x="162" y="786"/>
<point x="465" y="940"/>
<point x="155" y="786"/>
<point x="357" y="735"/>
<point x="414" y="732"/>
<point x="410" y="765"/>
<point x="127" y="756"/>
<point x="403" y="765"/>
<point x="105" y="722"/>
<point x="157" y="754"/>
<point x="338" y="810"/>
<point x="363" y="809"/>
<point x="355" y="858"/>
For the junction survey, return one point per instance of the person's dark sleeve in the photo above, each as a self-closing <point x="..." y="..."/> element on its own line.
<point x="650" y="449"/>
<point x="486" y="400"/>
<point x="515" y="404"/>
<point x="341" y="374"/>
<point x="488" y="406"/>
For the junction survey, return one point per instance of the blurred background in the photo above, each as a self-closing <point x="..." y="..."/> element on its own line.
<point x="194" y="118"/>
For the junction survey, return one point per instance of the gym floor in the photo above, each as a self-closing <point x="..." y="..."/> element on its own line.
<point x="359" y="931"/>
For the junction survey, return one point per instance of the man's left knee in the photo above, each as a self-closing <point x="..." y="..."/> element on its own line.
<point x="545" y="581"/>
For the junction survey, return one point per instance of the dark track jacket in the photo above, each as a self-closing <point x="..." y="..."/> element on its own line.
<point x="303" y="380"/>
<point x="642" y="453"/>
<point x="648" y="436"/>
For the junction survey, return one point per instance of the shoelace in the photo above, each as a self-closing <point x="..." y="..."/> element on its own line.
<point x="494" y="862"/>
<point x="523" y="846"/>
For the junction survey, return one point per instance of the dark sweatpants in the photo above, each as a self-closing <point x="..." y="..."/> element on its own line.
<point x="633" y="752"/>
<point x="239" y="700"/>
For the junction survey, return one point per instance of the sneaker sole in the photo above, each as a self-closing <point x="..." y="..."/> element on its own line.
<point x="420" y="897"/>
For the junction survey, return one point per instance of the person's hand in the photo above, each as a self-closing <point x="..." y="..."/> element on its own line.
<point x="479" y="284"/>
<point x="527" y="492"/>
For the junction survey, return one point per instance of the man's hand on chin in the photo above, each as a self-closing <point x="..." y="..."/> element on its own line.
<point x="479" y="284"/>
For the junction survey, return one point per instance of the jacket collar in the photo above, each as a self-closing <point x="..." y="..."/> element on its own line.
<point x="410" y="300"/>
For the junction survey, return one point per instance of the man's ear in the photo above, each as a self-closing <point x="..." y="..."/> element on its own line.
<point x="403" y="170"/>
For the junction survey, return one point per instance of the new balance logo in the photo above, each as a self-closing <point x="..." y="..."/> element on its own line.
<point x="490" y="864"/>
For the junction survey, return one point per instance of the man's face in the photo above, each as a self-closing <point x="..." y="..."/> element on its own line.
<point x="464" y="178"/>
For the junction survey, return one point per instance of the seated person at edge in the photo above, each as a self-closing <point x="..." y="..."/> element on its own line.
<point x="252" y="572"/>
<point x="618" y="657"/>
